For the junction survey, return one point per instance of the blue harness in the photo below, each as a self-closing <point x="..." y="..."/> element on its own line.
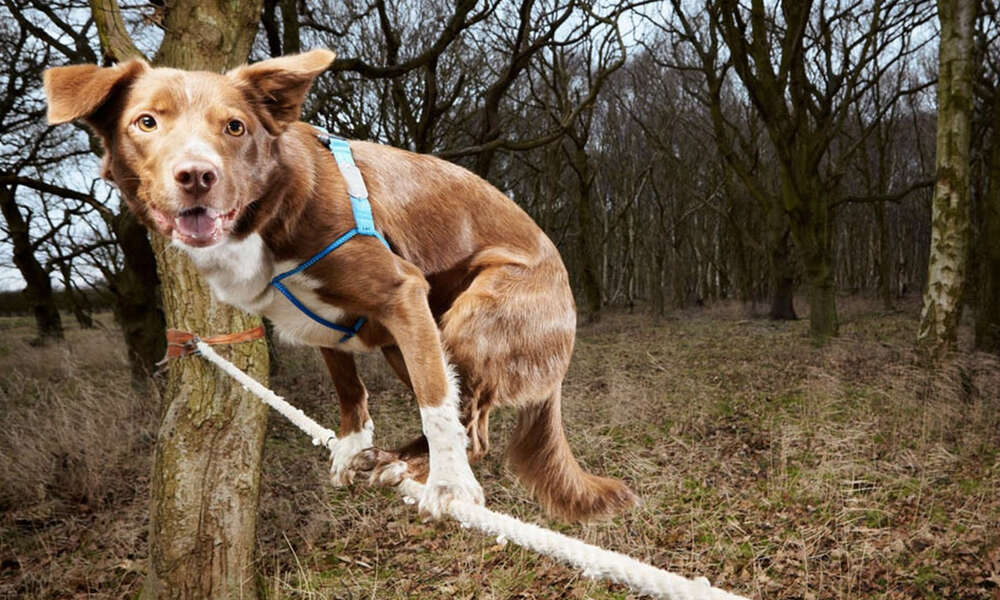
<point x="364" y="224"/>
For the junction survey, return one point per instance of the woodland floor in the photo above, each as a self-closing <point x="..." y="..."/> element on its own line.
<point x="775" y="469"/>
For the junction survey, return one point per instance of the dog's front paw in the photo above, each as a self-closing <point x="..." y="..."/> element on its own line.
<point x="439" y="494"/>
<point x="344" y="468"/>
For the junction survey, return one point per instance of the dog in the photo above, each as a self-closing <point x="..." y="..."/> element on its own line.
<point x="467" y="298"/>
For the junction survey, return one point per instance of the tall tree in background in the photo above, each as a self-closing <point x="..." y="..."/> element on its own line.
<point x="40" y="161"/>
<point x="38" y="286"/>
<point x="988" y="243"/>
<point x="739" y="144"/>
<point x="567" y="75"/>
<point x="206" y="474"/>
<point x="986" y="205"/>
<point x="803" y="66"/>
<point x="16" y="127"/>
<point x="950" y="223"/>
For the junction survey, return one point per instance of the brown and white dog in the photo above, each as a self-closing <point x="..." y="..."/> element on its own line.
<point x="471" y="307"/>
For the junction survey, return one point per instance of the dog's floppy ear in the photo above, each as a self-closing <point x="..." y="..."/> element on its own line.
<point x="79" y="91"/>
<point x="279" y="85"/>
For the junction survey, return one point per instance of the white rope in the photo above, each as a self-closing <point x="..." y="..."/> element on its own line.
<point x="594" y="561"/>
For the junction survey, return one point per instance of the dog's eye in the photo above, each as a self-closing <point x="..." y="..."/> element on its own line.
<point x="235" y="128"/>
<point x="146" y="123"/>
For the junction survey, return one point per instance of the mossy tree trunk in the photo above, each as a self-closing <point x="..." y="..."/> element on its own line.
<point x="206" y="472"/>
<point x="950" y="222"/>
<point x="809" y="211"/>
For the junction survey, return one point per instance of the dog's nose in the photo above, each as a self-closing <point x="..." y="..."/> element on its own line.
<point x="195" y="177"/>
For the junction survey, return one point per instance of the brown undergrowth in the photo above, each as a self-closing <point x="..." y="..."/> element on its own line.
<point x="774" y="468"/>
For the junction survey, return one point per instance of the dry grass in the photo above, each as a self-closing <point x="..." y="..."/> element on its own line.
<point x="74" y="447"/>
<point x="774" y="468"/>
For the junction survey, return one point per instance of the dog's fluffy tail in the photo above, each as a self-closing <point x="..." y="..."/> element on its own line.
<point x="540" y="456"/>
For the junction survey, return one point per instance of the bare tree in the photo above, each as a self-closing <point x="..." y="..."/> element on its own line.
<point x="205" y="488"/>
<point x="803" y="66"/>
<point x="19" y="126"/>
<point x="44" y="165"/>
<point x="986" y="205"/>
<point x="950" y="223"/>
<point x="691" y="44"/>
<point x="38" y="287"/>
<point x="565" y="76"/>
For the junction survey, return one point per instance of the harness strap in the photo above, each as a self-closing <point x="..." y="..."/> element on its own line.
<point x="364" y="224"/>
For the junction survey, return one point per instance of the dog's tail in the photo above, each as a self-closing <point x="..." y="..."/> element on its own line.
<point x="540" y="456"/>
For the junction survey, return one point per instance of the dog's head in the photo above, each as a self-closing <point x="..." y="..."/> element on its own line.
<point x="188" y="150"/>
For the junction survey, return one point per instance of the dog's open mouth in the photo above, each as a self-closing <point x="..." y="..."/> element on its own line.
<point x="202" y="225"/>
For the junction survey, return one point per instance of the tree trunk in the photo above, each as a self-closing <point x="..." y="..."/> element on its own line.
<point x="783" y="274"/>
<point x="137" y="306"/>
<point x="206" y="471"/>
<point x="283" y="39"/>
<point x="950" y="205"/>
<point x="678" y="281"/>
<point x="77" y="302"/>
<point x="38" y="285"/>
<point x="658" y="296"/>
<point x="213" y="36"/>
<point x="206" y="476"/>
<point x="988" y="250"/>
<point x="823" y="323"/>
<point x="810" y="227"/>
<point x="290" y="27"/>
<point x="884" y="256"/>
<point x="591" y="270"/>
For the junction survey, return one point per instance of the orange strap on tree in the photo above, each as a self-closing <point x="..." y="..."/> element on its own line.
<point x="182" y="343"/>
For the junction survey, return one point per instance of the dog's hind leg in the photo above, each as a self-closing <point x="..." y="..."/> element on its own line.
<point x="356" y="428"/>
<point x="395" y="359"/>
<point x="476" y="417"/>
<point x="475" y="412"/>
<point x="511" y="334"/>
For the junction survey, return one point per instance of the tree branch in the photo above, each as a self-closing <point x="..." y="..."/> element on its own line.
<point x="456" y="24"/>
<point x="48" y="188"/>
<point x="895" y="197"/>
<point x="116" y="44"/>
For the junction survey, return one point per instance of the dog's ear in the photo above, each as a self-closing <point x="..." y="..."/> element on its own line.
<point x="79" y="91"/>
<point x="279" y="85"/>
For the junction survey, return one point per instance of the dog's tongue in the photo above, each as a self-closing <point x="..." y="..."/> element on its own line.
<point x="199" y="223"/>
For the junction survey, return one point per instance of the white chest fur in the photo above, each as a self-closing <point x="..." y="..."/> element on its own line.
<point x="240" y="272"/>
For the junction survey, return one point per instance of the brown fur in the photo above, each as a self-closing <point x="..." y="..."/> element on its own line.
<point x="470" y="271"/>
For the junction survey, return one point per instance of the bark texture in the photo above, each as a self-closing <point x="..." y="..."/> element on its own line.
<point x="950" y="222"/>
<point x="206" y="472"/>
<point x="206" y="476"/>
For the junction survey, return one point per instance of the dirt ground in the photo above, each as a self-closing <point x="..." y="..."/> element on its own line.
<point x="775" y="469"/>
